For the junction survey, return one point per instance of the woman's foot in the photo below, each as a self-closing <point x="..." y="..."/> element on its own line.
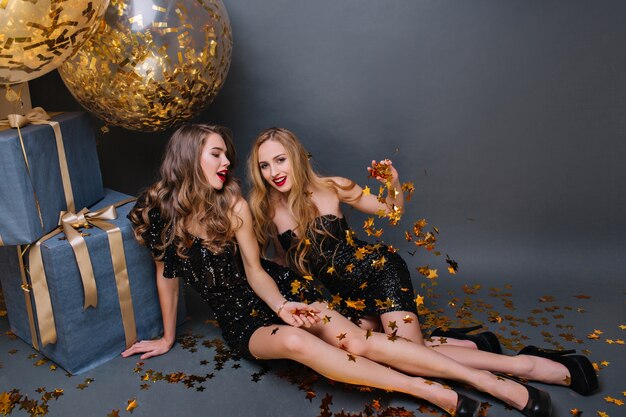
<point x="466" y="407"/>
<point x="486" y="341"/>
<point x="453" y="403"/>
<point x="580" y="375"/>
<point x="539" y="403"/>
<point x="529" y="400"/>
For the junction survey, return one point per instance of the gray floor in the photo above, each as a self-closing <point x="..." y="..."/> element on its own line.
<point x="557" y="302"/>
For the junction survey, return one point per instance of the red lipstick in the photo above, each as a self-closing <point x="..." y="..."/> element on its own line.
<point x="280" y="181"/>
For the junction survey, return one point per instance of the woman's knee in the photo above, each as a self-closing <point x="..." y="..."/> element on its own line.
<point x="279" y="343"/>
<point x="295" y="342"/>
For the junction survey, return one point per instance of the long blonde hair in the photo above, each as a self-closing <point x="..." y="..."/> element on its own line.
<point x="301" y="207"/>
<point x="183" y="196"/>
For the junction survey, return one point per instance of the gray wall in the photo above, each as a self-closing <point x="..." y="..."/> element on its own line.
<point x="507" y="115"/>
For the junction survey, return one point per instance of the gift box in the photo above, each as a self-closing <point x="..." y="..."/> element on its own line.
<point x="85" y="336"/>
<point x="45" y="171"/>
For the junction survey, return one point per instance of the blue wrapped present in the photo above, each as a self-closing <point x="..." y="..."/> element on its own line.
<point x="126" y="300"/>
<point x="46" y="167"/>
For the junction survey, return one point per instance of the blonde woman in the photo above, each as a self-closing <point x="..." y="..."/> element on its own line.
<point x="298" y="212"/>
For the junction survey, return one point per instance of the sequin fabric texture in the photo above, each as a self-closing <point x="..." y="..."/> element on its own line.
<point x="221" y="281"/>
<point x="383" y="289"/>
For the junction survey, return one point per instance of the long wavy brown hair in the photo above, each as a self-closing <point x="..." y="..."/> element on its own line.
<point x="184" y="198"/>
<point x="300" y="206"/>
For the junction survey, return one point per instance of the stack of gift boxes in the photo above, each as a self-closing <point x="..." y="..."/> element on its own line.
<point x="77" y="286"/>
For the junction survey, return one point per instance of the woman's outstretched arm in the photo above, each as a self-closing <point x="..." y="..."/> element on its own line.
<point x="262" y="284"/>
<point x="168" y="299"/>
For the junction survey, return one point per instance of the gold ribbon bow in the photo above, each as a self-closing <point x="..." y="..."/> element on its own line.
<point x="38" y="116"/>
<point x="68" y="224"/>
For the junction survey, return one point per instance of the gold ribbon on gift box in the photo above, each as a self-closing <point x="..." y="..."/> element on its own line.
<point x="69" y="222"/>
<point x="38" y="116"/>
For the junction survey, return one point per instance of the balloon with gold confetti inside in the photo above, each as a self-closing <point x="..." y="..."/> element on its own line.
<point x="37" y="36"/>
<point x="152" y="64"/>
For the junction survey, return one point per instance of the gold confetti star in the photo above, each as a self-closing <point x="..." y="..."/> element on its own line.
<point x="326" y="319"/>
<point x="379" y="263"/>
<point x="376" y="405"/>
<point x="341" y="336"/>
<point x="393" y="336"/>
<point x="419" y="300"/>
<point x="366" y="190"/>
<point x="351" y="357"/>
<point x="368" y="334"/>
<point x="132" y="404"/>
<point x="335" y="301"/>
<point x="602" y="414"/>
<point x="357" y="305"/>
<point x="575" y="412"/>
<point x="295" y="286"/>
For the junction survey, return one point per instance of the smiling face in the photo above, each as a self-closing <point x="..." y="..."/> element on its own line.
<point x="213" y="160"/>
<point x="275" y="165"/>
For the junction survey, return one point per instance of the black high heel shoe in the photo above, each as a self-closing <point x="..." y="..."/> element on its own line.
<point x="583" y="378"/>
<point x="539" y="403"/>
<point x="486" y="341"/>
<point x="466" y="407"/>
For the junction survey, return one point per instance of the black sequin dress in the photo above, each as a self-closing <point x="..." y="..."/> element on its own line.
<point x="356" y="271"/>
<point x="221" y="281"/>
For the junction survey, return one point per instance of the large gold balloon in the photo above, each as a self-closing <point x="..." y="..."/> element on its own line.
<point x="152" y="65"/>
<point x="36" y="36"/>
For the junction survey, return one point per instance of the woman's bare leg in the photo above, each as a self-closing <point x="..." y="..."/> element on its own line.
<point x="403" y="324"/>
<point x="406" y="324"/>
<point x="370" y="323"/>
<point x="286" y="342"/>
<point x="524" y="366"/>
<point x="412" y="358"/>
